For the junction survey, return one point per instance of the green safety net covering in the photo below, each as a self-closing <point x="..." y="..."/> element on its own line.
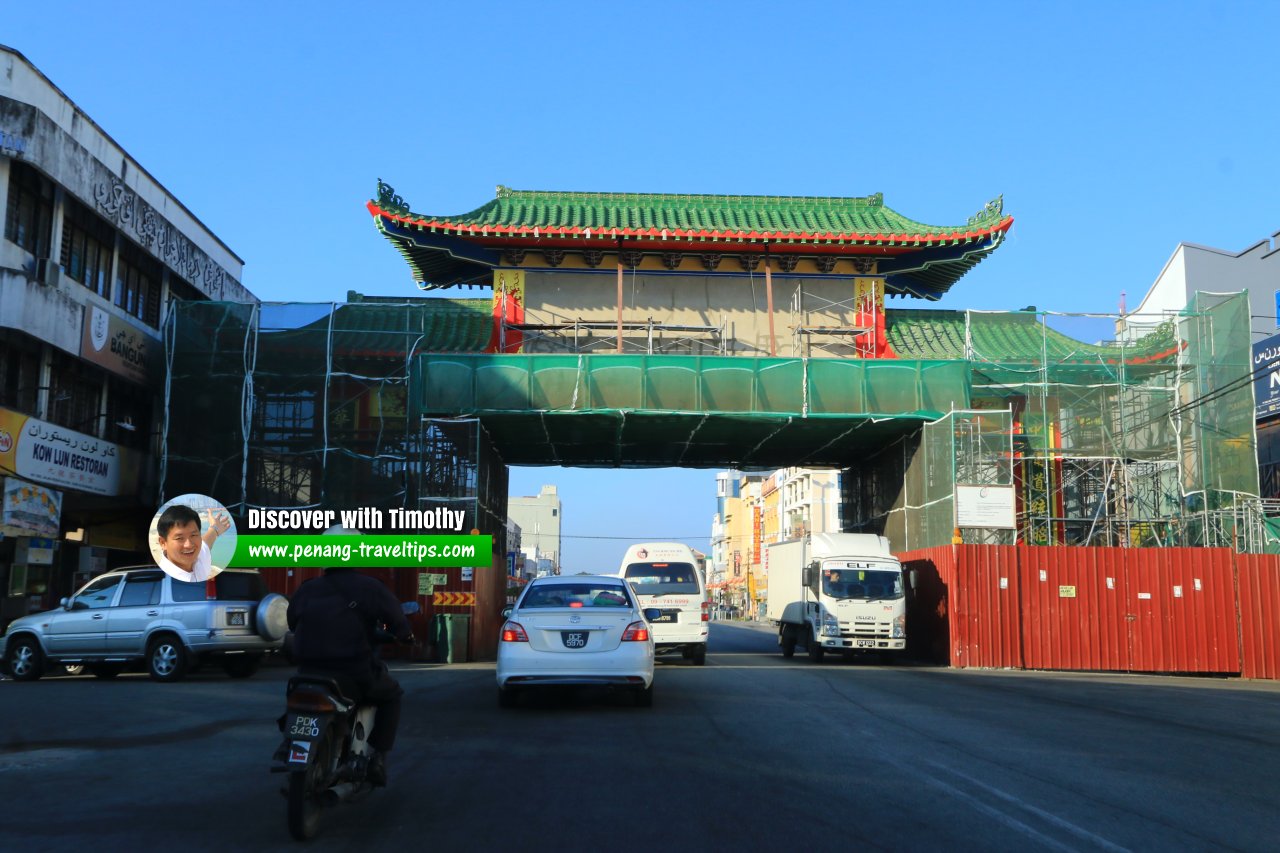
<point x="694" y="411"/>
<point x="1216" y="418"/>
<point x="1144" y="440"/>
<point x="304" y="405"/>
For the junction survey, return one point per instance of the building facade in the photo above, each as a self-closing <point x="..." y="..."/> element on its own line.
<point x="1256" y="270"/>
<point x="539" y="519"/>
<point x="94" y="252"/>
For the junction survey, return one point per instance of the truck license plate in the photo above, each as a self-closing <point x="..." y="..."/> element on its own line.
<point x="668" y="616"/>
<point x="235" y="617"/>
<point x="866" y="644"/>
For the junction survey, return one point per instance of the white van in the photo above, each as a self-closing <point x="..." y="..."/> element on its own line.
<point x="665" y="575"/>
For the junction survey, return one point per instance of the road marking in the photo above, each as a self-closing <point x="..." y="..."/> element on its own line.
<point x="39" y="758"/>
<point x="1079" y="832"/>
<point x="1001" y="817"/>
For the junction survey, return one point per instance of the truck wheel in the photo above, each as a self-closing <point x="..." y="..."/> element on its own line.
<point x="815" y="650"/>
<point x="699" y="655"/>
<point x="788" y="641"/>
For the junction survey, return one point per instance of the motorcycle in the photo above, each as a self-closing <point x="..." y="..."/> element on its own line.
<point x="326" y="750"/>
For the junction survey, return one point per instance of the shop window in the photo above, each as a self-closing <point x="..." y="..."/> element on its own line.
<point x="28" y="219"/>
<point x="75" y="394"/>
<point x="180" y="288"/>
<point x="129" y="412"/>
<point x="19" y="371"/>
<point x="138" y="285"/>
<point x="87" y="246"/>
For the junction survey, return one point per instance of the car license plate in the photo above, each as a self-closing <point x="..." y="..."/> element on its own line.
<point x="866" y="644"/>
<point x="668" y="616"/>
<point x="236" y="617"/>
<point x="574" y="639"/>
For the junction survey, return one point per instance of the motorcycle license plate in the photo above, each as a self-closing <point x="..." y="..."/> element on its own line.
<point x="301" y="730"/>
<point x="866" y="644"/>
<point x="574" y="639"/>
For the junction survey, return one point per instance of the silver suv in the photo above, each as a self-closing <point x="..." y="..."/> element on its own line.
<point x="141" y="615"/>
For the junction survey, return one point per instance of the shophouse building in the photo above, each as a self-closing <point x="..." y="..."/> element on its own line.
<point x="94" y="252"/>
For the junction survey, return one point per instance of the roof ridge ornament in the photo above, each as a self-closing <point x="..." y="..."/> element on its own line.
<point x="389" y="201"/>
<point x="504" y="192"/>
<point x="990" y="213"/>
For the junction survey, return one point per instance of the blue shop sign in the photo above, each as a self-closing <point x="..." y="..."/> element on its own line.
<point x="1266" y="377"/>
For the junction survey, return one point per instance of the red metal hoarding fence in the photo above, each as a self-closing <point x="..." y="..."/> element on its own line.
<point x="1103" y="609"/>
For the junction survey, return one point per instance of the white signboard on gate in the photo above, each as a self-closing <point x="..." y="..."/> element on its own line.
<point x="986" y="506"/>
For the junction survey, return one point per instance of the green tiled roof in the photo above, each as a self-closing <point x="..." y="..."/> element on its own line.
<point x="668" y="216"/>
<point x="1011" y="338"/>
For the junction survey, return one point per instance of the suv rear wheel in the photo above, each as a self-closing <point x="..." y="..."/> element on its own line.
<point x="25" y="659"/>
<point x="166" y="658"/>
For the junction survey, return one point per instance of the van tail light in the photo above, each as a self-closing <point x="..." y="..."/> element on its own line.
<point x="636" y="631"/>
<point x="706" y="611"/>
<point x="513" y="632"/>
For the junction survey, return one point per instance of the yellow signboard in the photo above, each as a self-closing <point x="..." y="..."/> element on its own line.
<point x="1066" y="592"/>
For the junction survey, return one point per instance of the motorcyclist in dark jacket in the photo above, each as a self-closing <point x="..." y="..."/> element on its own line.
<point x="335" y="619"/>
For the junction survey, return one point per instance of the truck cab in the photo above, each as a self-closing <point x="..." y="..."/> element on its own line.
<point x="838" y="592"/>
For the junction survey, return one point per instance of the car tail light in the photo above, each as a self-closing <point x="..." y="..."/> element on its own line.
<point x="706" y="615"/>
<point x="637" y="631"/>
<point x="513" y="632"/>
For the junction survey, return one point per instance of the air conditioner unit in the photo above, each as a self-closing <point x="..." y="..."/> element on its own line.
<point x="47" y="271"/>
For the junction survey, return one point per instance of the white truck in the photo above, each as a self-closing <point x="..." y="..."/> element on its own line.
<point x="838" y="592"/>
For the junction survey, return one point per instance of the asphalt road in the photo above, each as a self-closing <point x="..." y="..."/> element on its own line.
<point x="749" y="752"/>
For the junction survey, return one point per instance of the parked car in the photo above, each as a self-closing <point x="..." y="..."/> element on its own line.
<point x="143" y="616"/>
<point x="577" y="630"/>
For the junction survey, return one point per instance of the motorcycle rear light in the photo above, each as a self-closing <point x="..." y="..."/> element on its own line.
<point x="706" y="615"/>
<point x="309" y="700"/>
<point x="513" y="632"/>
<point x="637" y="632"/>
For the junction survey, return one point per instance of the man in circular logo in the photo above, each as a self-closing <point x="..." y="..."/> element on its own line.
<point x="185" y="553"/>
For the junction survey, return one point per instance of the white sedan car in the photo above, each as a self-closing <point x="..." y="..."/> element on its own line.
<point x="577" y="630"/>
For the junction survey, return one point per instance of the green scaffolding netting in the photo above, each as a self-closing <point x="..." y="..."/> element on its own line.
<point x="1144" y="440"/>
<point x="1147" y="439"/>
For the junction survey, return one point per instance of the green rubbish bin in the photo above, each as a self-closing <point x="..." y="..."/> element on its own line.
<point x="451" y="639"/>
<point x="439" y="638"/>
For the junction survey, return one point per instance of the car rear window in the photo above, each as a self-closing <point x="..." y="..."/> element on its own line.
<point x="230" y="586"/>
<point x="576" y="595"/>
<point x="662" y="578"/>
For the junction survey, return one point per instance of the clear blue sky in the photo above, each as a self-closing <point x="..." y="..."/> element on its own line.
<point x="1113" y="130"/>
